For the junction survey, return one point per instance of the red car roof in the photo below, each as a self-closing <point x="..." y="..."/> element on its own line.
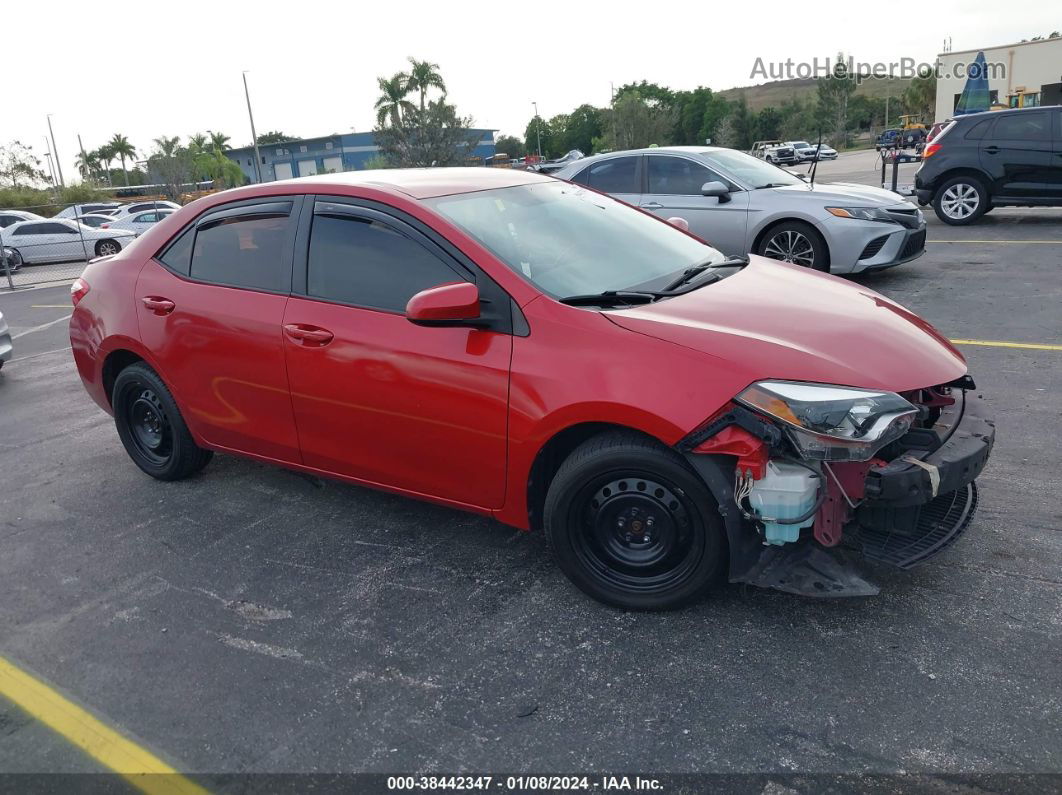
<point x="423" y="183"/>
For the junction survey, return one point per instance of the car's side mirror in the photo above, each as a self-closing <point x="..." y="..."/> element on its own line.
<point x="681" y="223"/>
<point x="454" y="304"/>
<point x="717" y="189"/>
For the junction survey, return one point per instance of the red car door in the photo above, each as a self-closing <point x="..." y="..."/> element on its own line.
<point x="210" y="309"/>
<point x="376" y="397"/>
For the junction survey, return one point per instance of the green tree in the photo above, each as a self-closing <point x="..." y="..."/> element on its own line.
<point x="422" y="77"/>
<point x="174" y="164"/>
<point x="219" y="142"/>
<point x="581" y="127"/>
<point x="106" y="155"/>
<point x="392" y="102"/>
<point x="740" y="130"/>
<point x="88" y="165"/>
<point x="121" y="148"/>
<point x="651" y="94"/>
<point x="510" y="145"/>
<point x="635" y="122"/>
<point x="697" y="115"/>
<point x="920" y="96"/>
<point x="435" y="136"/>
<point x="20" y="167"/>
<point x="537" y="130"/>
<point x="834" y="94"/>
<point x="769" y="123"/>
<point x="274" y="137"/>
<point x="198" y="143"/>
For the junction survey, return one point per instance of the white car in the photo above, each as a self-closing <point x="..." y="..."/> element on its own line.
<point x="5" y="341"/>
<point x="95" y="220"/>
<point x="137" y="222"/>
<point x="806" y="151"/>
<point x="60" y="240"/>
<point x="9" y="217"/>
<point x="75" y="210"/>
<point x="141" y="207"/>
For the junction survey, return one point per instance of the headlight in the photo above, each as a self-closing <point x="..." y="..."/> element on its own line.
<point x="832" y="423"/>
<point x="861" y="213"/>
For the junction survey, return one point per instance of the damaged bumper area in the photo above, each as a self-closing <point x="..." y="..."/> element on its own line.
<point x="907" y="504"/>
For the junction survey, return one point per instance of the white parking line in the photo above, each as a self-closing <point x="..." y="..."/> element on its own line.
<point x="41" y="327"/>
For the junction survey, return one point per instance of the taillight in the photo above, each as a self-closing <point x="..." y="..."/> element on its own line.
<point x="931" y="149"/>
<point x="78" y="290"/>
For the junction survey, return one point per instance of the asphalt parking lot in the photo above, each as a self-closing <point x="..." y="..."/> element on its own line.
<point x="257" y="620"/>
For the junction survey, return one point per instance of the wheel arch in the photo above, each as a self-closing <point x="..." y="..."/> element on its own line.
<point x="114" y="362"/>
<point x="963" y="171"/>
<point x="555" y="451"/>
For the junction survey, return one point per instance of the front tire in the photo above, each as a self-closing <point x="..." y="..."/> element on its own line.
<point x="960" y="201"/>
<point x="795" y="242"/>
<point x="151" y="427"/>
<point x="107" y="248"/>
<point x="632" y="525"/>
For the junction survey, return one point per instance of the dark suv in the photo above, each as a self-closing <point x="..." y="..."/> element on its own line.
<point x="994" y="159"/>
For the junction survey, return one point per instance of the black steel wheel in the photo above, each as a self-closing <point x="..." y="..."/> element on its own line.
<point x="632" y="525"/>
<point x="151" y="427"/>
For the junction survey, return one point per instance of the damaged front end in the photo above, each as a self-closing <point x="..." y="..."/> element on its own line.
<point x="808" y="476"/>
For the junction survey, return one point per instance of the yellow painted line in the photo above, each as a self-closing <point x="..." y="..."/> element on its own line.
<point x="1032" y="346"/>
<point x="49" y="306"/>
<point x="1047" y="242"/>
<point x="140" y="767"/>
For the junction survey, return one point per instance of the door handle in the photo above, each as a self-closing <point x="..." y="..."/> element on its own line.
<point x="992" y="150"/>
<point x="308" y="335"/>
<point x="160" y="306"/>
<point x="653" y="206"/>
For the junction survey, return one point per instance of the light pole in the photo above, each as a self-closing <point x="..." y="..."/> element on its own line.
<point x="254" y="136"/>
<point x="538" y="129"/>
<point x="48" y="157"/>
<point x="55" y="151"/>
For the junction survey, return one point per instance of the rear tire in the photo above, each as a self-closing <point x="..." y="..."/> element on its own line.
<point x="107" y="248"/>
<point x="151" y="427"/>
<point x="960" y="201"/>
<point x="632" y="525"/>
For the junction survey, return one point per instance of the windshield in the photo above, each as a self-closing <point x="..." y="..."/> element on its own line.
<point x="567" y="240"/>
<point x="752" y="171"/>
<point x="801" y="144"/>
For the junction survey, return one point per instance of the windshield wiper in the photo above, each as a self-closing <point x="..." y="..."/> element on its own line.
<point x="694" y="271"/>
<point x="611" y="298"/>
<point x="773" y="185"/>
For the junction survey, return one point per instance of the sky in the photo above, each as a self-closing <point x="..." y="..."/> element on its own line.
<point x="146" y="70"/>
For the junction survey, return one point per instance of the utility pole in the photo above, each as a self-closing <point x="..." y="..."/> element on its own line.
<point x="48" y="157"/>
<point x="55" y="151"/>
<point x="538" y="129"/>
<point x="254" y="135"/>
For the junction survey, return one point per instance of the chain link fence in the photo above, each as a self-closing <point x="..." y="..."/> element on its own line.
<point x="52" y="243"/>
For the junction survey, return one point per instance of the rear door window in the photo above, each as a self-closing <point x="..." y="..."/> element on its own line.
<point x="1024" y="127"/>
<point x="251" y="249"/>
<point x="616" y="175"/>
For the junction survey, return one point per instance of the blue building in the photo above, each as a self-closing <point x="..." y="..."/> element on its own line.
<point x="308" y="156"/>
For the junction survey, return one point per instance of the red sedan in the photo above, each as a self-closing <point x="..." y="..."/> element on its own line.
<point x="509" y="344"/>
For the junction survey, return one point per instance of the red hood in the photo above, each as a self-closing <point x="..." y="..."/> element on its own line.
<point x="782" y="321"/>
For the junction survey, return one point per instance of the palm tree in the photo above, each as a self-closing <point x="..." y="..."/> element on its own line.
<point x="422" y="76"/>
<point x="121" y="148"/>
<point x="392" y="102"/>
<point x="219" y="142"/>
<point x="88" y="163"/>
<point x="106" y="154"/>
<point x="197" y="144"/>
<point x="168" y="146"/>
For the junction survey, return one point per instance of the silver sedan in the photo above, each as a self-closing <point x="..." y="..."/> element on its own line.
<point x="740" y="204"/>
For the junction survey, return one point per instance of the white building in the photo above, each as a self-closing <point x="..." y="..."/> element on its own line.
<point x="1031" y="70"/>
